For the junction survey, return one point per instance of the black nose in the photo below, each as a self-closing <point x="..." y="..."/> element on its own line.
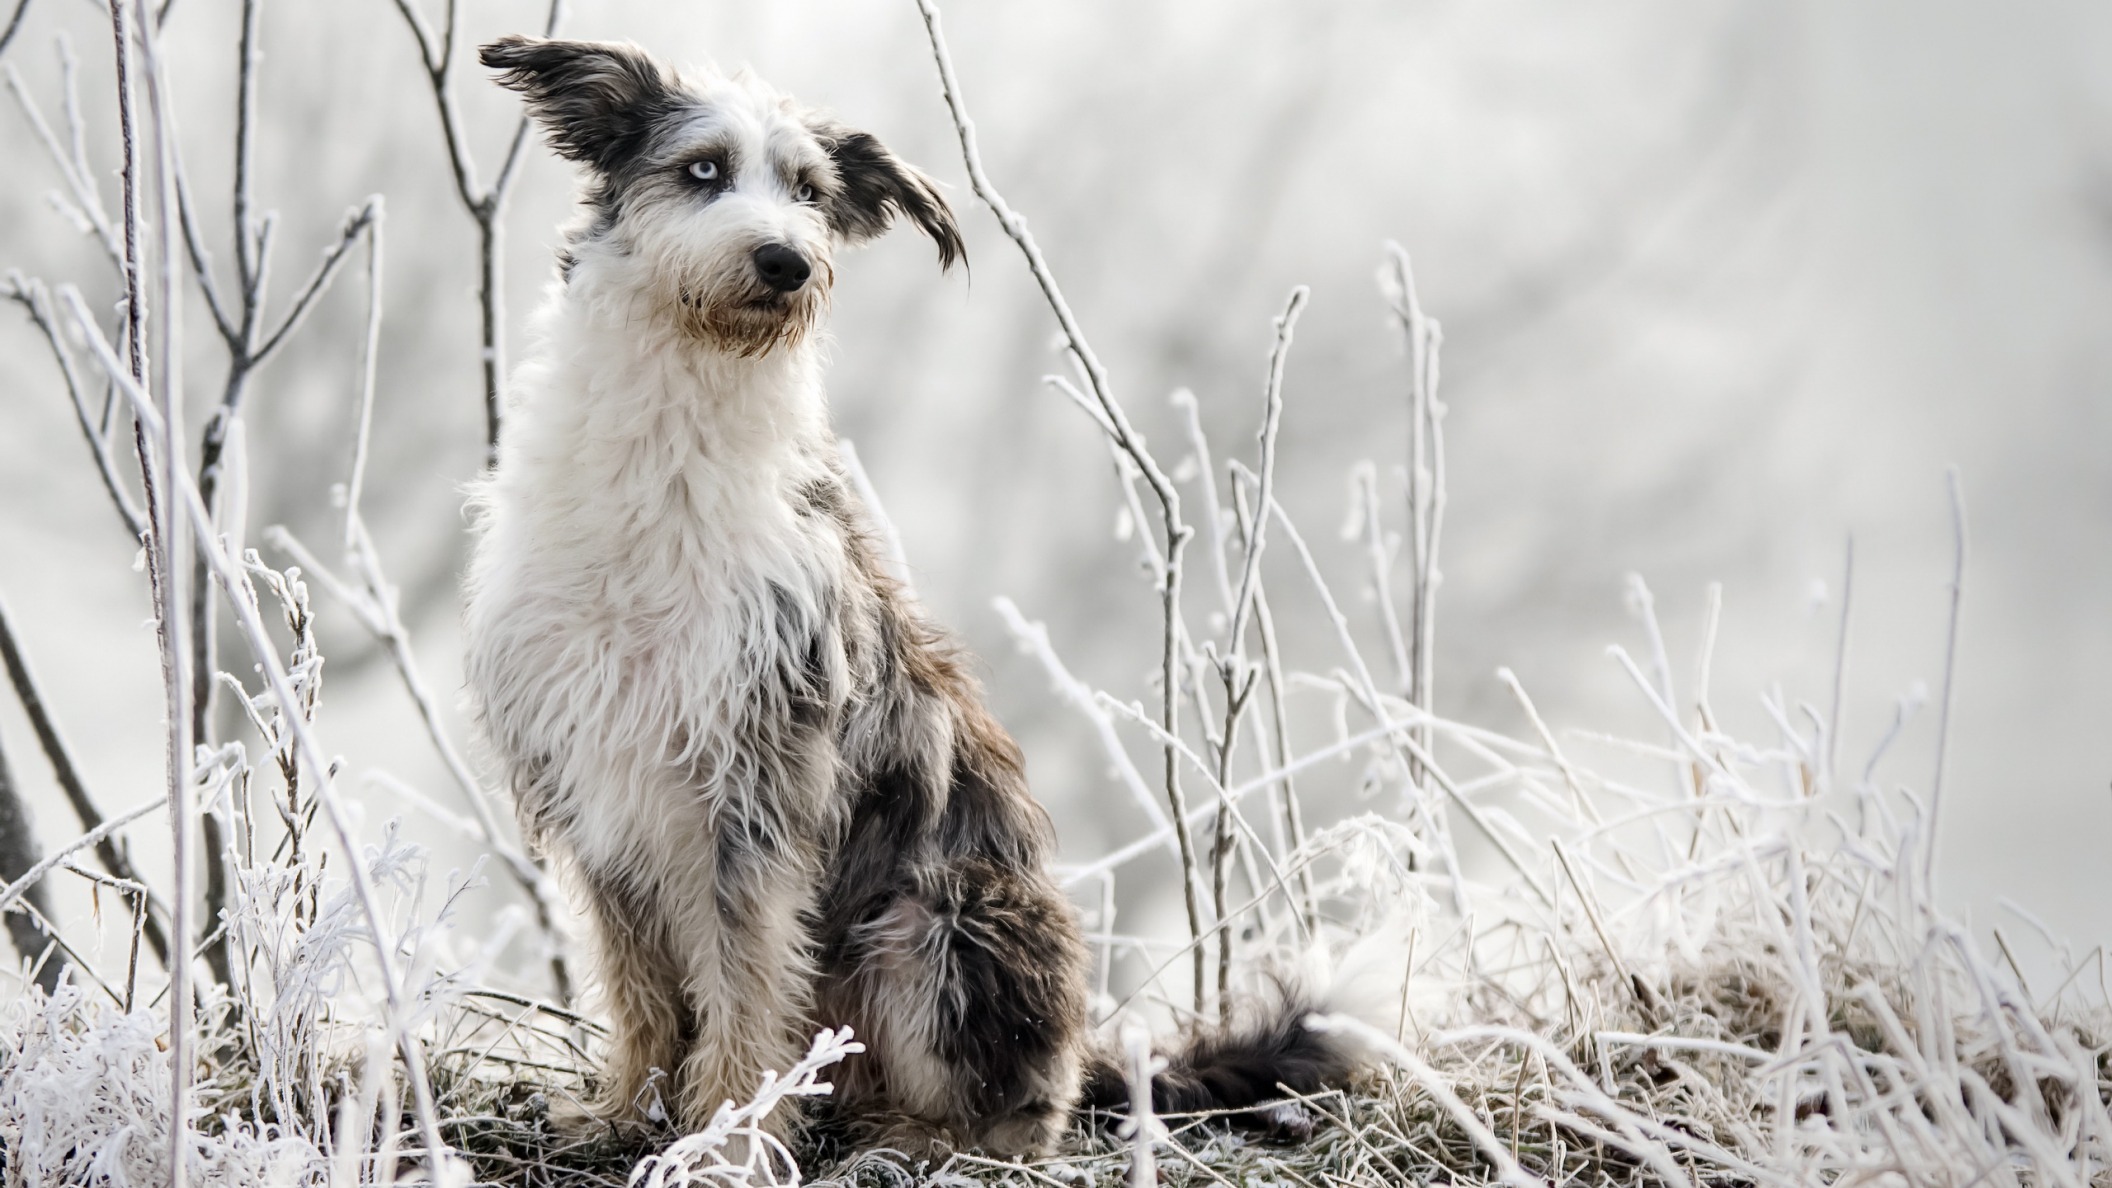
<point x="781" y="267"/>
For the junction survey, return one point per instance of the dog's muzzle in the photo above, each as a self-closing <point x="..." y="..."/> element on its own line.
<point x="781" y="267"/>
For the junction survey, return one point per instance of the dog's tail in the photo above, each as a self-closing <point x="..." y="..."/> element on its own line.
<point x="1233" y="1067"/>
<point x="1265" y="1049"/>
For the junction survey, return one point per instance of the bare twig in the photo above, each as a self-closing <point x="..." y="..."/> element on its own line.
<point x="1033" y="638"/>
<point x="18" y="854"/>
<point x="375" y="607"/>
<point x="1950" y="674"/>
<point x="57" y="858"/>
<point x="1142" y="1128"/>
<point x="1426" y="470"/>
<point x="1236" y="674"/>
<point x="1286" y="784"/>
<point x="1439" y="838"/>
<point x="32" y="297"/>
<point x="1271" y="418"/>
<point x="14" y="25"/>
<point x="161" y="466"/>
<point x="85" y="202"/>
<point x="486" y="206"/>
<point x="1380" y="556"/>
<point x="1115" y="421"/>
<point x="107" y="852"/>
<point x="893" y="555"/>
<point x="1840" y="662"/>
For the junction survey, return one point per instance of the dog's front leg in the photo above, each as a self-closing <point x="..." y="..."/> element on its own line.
<point x="642" y="990"/>
<point x="750" y="980"/>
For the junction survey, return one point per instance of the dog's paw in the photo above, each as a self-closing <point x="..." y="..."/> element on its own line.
<point x="1281" y="1122"/>
<point x="920" y="1142"/>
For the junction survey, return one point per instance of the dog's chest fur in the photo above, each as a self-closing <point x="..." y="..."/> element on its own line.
<point x="654" y="607"/>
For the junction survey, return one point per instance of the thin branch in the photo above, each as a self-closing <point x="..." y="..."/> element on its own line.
<point x="376" y="607"/>
<point x="436" y="53"/>
<point x="249" y="269"/>
<point x="1288" y="806"/>
<point x="1271" y="417"/>
<point x="1216" y="531"/>
<point x="1840" y="662"/>
<point x="1426" y="470"/>
<point x="29" y="929"/>
<point x="107" y="852"/>
<point x="1439" y="839"/>
<point x="14" y="25"/>
<point x="166" y="565"/>
<point x="1033" y="637"/>
<point x="86" y="202"/>
<point x="1365" y="476"/>
<point x="1585" y="808"/>
<point x="202" y="264"/>
<point x="57" y="858"/>
<point x="893" y="554"/>
<point x="1124" y="436"/>
<point x="369" y="368"/>
<point x="334" y="255"/>
<point x="1950" y="674"/>
<point x="31" y="295"/>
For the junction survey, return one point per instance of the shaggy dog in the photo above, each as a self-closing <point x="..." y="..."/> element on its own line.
<point x="773" y="779"/>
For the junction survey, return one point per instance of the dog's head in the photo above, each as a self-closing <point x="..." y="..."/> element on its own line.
<point x="731" y="198"/>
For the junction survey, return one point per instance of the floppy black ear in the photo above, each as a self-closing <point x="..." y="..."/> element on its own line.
<point x="596" y="100"/>
<point x="877" y="186"/>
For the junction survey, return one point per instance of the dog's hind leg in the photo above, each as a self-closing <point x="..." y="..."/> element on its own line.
<point x="972" y="984"/>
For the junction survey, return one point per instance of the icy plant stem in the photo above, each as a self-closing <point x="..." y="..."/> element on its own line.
<point x="68" y="775"/>
<point x="1233" y="669"/>
<point x="1426" y="477"/>
<point x="1271" y="420"/>
<point x="1110" y="415"/>
<point x="1950" y="674"/>
<point x="165" y="470"/>
<point x="1840" y="664"/>
<point x="486" y="206"/>
<point x="13" y="891"/>
<point x="1142" y="1127"/>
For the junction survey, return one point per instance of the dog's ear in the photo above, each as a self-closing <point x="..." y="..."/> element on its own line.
<point x="596" y="100"/>
<point x="875" y="187"/>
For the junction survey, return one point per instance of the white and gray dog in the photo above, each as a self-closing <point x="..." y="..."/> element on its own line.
<point x="772" y="778"/>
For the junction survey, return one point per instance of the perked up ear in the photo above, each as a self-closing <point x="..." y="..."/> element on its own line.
<point x="877" y="186"/>
<point x="596" y="100"/>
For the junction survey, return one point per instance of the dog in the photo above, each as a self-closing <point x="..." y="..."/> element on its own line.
<point x="772" y="779"/>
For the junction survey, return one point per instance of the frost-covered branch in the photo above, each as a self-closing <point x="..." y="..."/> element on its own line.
<point x="1110" y="415"/>
<point x="486" y="205"/>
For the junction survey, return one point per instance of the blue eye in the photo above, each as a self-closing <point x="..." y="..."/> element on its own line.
<point x="803" y="193"/>
<point x="704" y="170"/>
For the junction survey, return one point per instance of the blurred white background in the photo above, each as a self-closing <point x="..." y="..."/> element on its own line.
<point x="1721" y="282"/>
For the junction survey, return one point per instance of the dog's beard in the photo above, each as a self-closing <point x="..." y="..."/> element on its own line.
<point x="752" y="321"/>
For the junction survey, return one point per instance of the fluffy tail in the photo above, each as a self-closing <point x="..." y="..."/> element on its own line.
<point x="1240" y="1065"/>
<point x="1234" y="1067"/>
